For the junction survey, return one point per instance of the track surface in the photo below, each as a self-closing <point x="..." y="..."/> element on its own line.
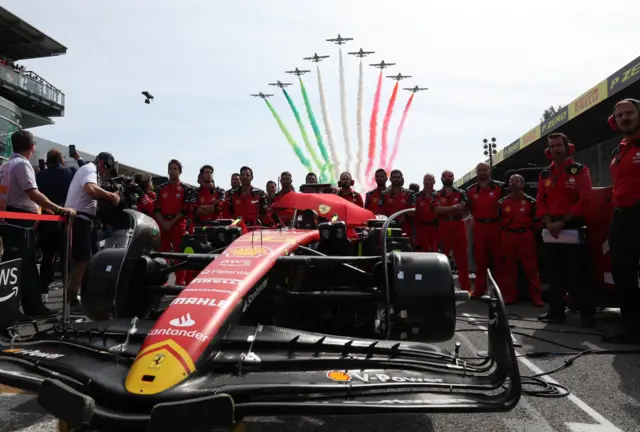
<point x="605" y="390"/>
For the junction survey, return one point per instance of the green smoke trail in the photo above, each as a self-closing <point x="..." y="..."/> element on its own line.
<point x="307" y="144"/>
<point x="298" y="151"/>
<point x="317" y="133"/>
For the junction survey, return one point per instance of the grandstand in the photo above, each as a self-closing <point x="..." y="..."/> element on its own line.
<point x="27" y="100"/>
<point x="584" y="120"/>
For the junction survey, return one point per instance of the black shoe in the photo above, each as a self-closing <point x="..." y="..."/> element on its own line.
<point x="553" y="318"/>
<point x="622" y="339"/>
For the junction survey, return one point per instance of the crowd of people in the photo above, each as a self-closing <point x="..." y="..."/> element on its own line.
<point x="12" y="65"/>
<point x="506" y="221"/>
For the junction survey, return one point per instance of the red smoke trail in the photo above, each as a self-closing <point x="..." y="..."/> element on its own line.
<point x="396" y="143"/>
<point x="373" y="128"/>
<point x="385" y="126"/>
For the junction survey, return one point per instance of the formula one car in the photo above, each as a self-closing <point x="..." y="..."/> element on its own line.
<point x="289" y="321"/>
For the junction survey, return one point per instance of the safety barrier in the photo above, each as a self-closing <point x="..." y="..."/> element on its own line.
<point x="66" y="271"/>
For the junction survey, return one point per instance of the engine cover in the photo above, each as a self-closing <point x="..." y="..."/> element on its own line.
<point x="422" y="297"/>
<point x="114" y="283"/>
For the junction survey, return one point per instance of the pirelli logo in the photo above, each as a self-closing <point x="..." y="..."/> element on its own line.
<point x="589" y="99"/>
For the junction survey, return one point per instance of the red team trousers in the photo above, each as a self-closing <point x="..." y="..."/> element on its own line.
<point x="453" y="236"/>
<point x="170" y="241"/>
<point x="426" y="236"/>
<point x="487" y="237"/>
<point x="520" y="247"/>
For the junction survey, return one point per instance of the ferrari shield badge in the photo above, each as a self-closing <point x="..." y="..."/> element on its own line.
<point x="547" y="182"/>
<point x="157" y="361"/>
<point x="324" y="209"/>
<point x="339" y="376"/>
<point x="574" y="171"/>
<point x="247" y="251"/>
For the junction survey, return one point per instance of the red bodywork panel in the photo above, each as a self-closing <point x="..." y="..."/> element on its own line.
<point x="327" y="205"/>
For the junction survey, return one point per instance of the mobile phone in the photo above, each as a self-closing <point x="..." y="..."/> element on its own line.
<point x="72" y="150"/>
<point x="41" y="164"/>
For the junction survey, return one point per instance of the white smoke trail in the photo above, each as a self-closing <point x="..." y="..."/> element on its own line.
<point x="335" y="159"/>
<point x="344" y="114"/>
<point x="359" y="115"/>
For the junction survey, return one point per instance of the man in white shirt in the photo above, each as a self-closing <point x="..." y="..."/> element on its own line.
<point x="19" y="193"/>
<point x="83" y="196"/>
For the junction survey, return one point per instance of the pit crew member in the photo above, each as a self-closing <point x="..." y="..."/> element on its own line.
<point x="425" y="220"/>
<point x="19" y="193"/>
<point x="396" y="198"/>
<point x="146" y="201"/>
<point x="271" y="190"/>
<point x="311" y="178"/>
<point x="517" y="212"/>
<point x="450" y="204"/>
<point x="564" y="190"/>
<point x="624" y="238"/>
<point x="247" y="202"/>
<point x="174" y="201"/>
<point x="372" y="197"/>
<point x="346" y="192"/>
<point x="483" y="199"/>
<point x="235" y="182"/>
<point x="210" y="200"/>
<point x="283" y="216"/>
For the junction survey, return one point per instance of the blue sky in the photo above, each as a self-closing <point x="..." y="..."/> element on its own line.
<point x="492" y="67"/>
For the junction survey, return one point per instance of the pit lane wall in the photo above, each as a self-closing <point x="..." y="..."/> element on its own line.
<point x="607" y="88"/>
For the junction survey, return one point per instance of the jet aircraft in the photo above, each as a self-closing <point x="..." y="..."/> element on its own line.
<point x="361" y="53"/>
<point x="262" y="95"/>
<point x="316" y="58"/>
<point x="398" y="77"/>
<point x="416" y="89"/>
<point x="340" y="40"/>
<point x="298" y="72"/>
<point x="280" y="84"/>
<point x="382" y="65"/>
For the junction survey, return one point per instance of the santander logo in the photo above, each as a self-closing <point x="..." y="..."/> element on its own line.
<point x="183" y="321"/>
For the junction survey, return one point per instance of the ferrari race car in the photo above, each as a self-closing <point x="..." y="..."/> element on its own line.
<point x="289" y="321"/>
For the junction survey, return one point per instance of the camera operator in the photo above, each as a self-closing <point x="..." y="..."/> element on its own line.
<point x="83" y="197"/>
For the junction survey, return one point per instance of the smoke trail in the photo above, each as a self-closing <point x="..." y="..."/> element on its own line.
<point x="385" y="126"/>
<point x="373" y="129"/>
<point x="297" y="150"/>
<point x="359" y="125"/>
<point x="344" y="114"/>
<point x="316" y="131"/>
<point x="327" y="125"/>
<point x="399" y="133"/>
<point x="307" y="144"/>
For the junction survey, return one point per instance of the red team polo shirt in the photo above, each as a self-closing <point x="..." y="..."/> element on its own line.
<point x="625" y="172"/>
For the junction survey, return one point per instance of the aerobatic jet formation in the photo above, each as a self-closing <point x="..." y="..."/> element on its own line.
<point x="298" y="72"/>
<point x="280" y="84"/>
<point x="316" y="58"/>
<point x="262" y="95"/>
<point x="416" y="89"/>
<point x="382" y="65"/>
<point x="398" y="77"/>
<point x="361" y="53"/>
<point x="340" y="40"/>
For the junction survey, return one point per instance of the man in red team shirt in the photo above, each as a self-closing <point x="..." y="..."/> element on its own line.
<point x="283" y="216"/>
<point x="248" y="202"/>
<point x="346" y="192"/>
<point x="372" y="197"/>
<point x="146" y="201"/>
<point x="624" y="237"/>
<point x="483" y="199"/>
<point x="271" y="191"/>
<point x="517" y="218"/>
<point x="397" y="198"/>
<point x="450" y="204"/>
<point x="564" y="190"/>
<point x="426" y="221"/>
<point x="173" y="203"/>
<point x="210" y="200"/>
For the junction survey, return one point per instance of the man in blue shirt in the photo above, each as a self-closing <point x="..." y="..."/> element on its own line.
<point x="54" y="183"/>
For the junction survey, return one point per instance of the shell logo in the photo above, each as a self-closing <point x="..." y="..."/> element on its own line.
<point x="247" y="251"/>
<point x="547" y="182"/>
<point x="324" y="209"/>
<point x="339" y="376"/>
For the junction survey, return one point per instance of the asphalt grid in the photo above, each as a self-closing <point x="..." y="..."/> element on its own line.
<point x="605" y="389"/>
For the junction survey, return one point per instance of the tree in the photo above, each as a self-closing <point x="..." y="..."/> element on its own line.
<point x="550" y="113"/>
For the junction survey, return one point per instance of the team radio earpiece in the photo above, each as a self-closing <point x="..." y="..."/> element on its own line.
<point x="571" y="149"/>
<point x="613" y="124"/>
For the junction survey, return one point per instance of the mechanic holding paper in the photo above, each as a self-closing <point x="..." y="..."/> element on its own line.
<point x="346" y="191"/>
<point x="426" y="221"/>
<point x="247" y="202"/>
<point x="373" y="196"/>
<point x="624" y="238"/>
<point x="517" y="218"/>
<point x="450" y="204"/>
<point x="564" y="190"/>
<point x="483" y="203"/>
<point x="397" y="198"/>
<point x="174" y="202"/>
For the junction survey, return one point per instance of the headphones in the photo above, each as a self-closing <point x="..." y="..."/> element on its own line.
<point x="613" y="124"/>
<point x="107" y="160"/>
<point x="571" y="149"/>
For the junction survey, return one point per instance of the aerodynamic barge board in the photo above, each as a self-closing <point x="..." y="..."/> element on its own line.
<point x="184" y="331"/>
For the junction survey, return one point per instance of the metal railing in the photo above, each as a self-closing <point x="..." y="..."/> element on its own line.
<point x="38" y="88"/>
